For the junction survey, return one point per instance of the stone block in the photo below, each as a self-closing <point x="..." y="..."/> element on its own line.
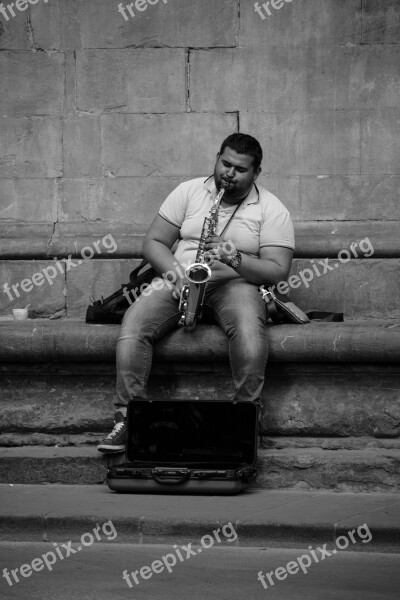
<point x="31" y="147"/>
<point x="143" y="145"/>
<point x="287" y="189"/>
<point x="380" y="141"/>
<point x="82" y="146"/>
<point x="126" y="199"/>
<point x="300" y="23"/>
<point x="359" y="288"/>
<point x="31" y="83"/>
<point x="14" y="34"/>
<point x="306" y="143"/>
<point x="380" y="22"/>
<point x="70" y="83"/>
<point x="45" y="24"/>
<point x="25" y="240"/>
<point x="132" y="80"/>
<point x="181" y="23"/>
<point x="95" y="278"/>
<point x="29" y="200"/>
<point x="337" y="197"/>
<point x="309" y="78"/>
<point x="44" y="294"/>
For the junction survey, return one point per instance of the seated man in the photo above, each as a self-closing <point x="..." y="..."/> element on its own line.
<point x="260" y="249"/>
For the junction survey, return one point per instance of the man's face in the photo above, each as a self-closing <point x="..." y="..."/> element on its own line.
<point x="237" y="170"/>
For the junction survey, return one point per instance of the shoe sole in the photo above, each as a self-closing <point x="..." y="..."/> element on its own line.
<point x="111" y="449"/>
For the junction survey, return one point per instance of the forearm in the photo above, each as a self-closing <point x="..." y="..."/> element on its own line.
<point x="261" y="271"/>
<point x="161" y="258"/>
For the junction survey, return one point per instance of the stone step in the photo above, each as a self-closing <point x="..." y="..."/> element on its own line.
<point x="370" y="468"/>
<point x="317" y="399"/>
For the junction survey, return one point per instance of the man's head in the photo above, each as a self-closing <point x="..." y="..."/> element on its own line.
<point x="238" y="164"/>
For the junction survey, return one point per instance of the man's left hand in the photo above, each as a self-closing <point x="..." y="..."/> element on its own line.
<point x="218" y="249"/>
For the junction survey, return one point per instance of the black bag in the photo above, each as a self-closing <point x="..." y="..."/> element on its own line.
<point x="187" y="447"/>
<point x="113" y="308"/>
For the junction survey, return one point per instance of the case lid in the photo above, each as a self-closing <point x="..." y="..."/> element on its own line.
<point x="192" y="433"/>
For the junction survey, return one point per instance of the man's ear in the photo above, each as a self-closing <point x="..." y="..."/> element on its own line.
<point x="256" y="173"/>
<point x="218" y="155"/>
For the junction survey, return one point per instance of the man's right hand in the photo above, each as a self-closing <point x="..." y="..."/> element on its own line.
<point x="178" y="287"/>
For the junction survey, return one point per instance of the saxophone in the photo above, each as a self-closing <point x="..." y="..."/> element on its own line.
<point x="198" y="273"/>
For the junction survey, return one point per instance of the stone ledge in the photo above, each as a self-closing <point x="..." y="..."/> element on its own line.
<point x="314" y="239"/>
<point x="367" y="469"/>
<point x="352" y="341"/>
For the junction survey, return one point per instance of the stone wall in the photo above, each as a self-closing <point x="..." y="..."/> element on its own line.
<point x="101" y="117"/>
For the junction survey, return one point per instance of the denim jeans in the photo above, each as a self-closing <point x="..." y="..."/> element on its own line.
<point x="236" y="306"/>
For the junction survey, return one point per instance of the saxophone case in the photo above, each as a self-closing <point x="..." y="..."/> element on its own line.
<point x="187" y="447"/>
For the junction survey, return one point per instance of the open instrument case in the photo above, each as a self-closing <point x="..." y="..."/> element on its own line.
<point x="187" y="447"/>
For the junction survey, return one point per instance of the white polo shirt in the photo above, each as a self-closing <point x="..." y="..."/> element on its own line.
<point x="262" y="220"/>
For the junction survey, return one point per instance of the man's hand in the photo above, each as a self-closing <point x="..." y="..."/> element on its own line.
<point x="218" y="249"/>
<point x="178" y="287"/>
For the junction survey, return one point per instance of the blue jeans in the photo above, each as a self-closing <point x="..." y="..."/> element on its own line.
<point x="236" y="306"/>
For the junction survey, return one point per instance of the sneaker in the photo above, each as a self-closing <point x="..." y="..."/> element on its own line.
<point x="115" y="441"/>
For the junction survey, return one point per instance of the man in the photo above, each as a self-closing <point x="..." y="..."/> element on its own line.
<point x="260" y="249"/>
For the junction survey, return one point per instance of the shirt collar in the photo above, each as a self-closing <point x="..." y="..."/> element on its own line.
<point x="252" y="198"/>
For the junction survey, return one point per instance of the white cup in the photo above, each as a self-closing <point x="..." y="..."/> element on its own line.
<point x="20" y="314"/>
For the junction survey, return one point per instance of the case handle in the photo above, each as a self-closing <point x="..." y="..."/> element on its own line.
<point x="180" y="474"/>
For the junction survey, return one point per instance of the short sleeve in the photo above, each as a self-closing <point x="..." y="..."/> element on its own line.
<point x="173" y="208"/>
<point x="278" y="230"/>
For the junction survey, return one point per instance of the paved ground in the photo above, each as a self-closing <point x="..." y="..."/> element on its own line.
<point x="273" y="517"/>
<point x="218" y="573"/>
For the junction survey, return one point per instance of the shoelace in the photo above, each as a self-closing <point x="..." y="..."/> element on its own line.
<point x="117" y="429"/>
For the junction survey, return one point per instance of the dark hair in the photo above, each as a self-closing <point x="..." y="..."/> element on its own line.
<point x="244" y="144"/>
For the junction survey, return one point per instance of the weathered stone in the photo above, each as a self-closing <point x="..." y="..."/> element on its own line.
<point x="327" y="238"/>
<point x="143" y="145"/>
<point x="380" y="147"/>
<point x="311" y="469"/>
<point x="45" y="295"/>
<point x="311" y="400"/>
<point x="358" y="288"/>
<point x="287" y="189"/>
<point x="295" y="78"/>
<point x="82" y="146"/>
<point x="113" y="240"/>
<point x="307" y="143"/>
<point x="134" y="201"/>
<point x="343" y="470"/>
<point x="299" y="23"/>
<point x="337" y="197"/>
<point x="45" y="23"/>
<point x="29" y="200"/>
<point x="131" y="80"/>
<point x="380" y="22"/>
<point x="363" y="341"/>
<point x="95" y="278"/>
<point x="52" y="465"/>
<point x="25" y="240"/>
<point x="182" y="23"/>
<point x="30" y="147"/>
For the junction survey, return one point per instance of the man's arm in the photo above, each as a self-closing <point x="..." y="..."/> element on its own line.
<point x="272" y="267"/>
<point x="160" y="237"/>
